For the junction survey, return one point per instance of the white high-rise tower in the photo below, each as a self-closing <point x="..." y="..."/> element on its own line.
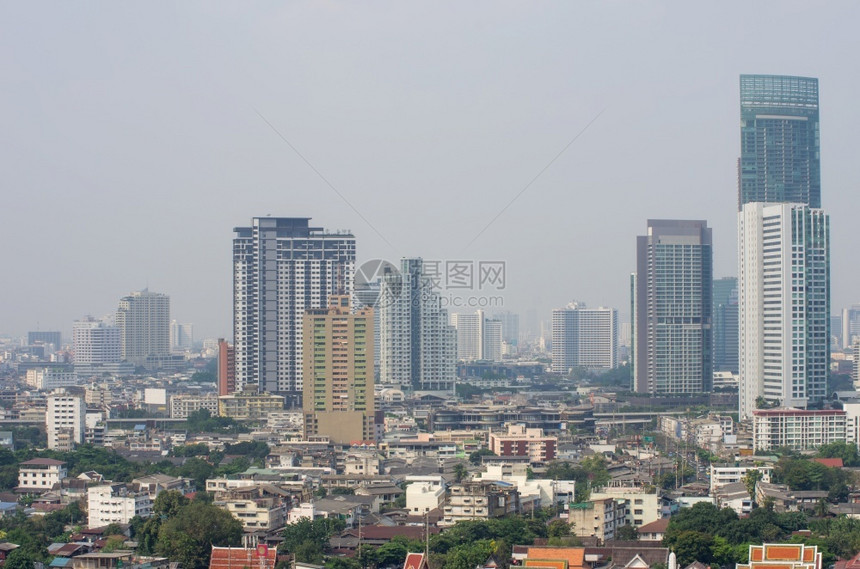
<point x="783" y="305"/>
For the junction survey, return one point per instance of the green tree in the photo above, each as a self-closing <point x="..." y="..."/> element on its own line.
<point x="627" y="533"/>
<point x="460" y="472"/>
<point x="840" y="449"/>
<point x="750" y="480"/>
<point x="308" y="539"/>
<point x="188" y="536"/>
<point x="477" y="456"/>
<point x="692" y="546"/>
<point x="558" y="528"/>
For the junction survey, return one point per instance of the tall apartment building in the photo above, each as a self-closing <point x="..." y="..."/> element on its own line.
<point x="143" y="319"/>
<point x="725" y="315"/>
<point x="226" y="367"/>
<point x="780" y="140"/>
<point x="64" y="420"/>
<point x="672" y="287"/>
<point x="181" y="336"/>
<point x="797" y="429"/>
<point x="477" y="337"/>
<point x="783" y="245"/>
<point x="510" y="326"/>
<point x="282" y="267"/>
<point x="418" y="348"/>
<point x="584" y="337"/>
<point x="850" y="325"/>
<point x="96" y="342"/>
<point x="784" y="306"/>
<point x="338" y="372"/>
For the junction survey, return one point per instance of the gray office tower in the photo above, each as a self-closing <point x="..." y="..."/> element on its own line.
<point x="672" y="306"/>
<point x="725" y="315"/>
<point x="780" y="152"/>
<point x="35" y="338"/>
<point x="281" y="267"/>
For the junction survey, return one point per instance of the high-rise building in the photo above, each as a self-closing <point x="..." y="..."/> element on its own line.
<point x="492" y="342"/>
<point x="226" y="367"/>
<point x="418" y="348"/>
<point x="510" y="326"/>
<point x="338" y="372"/>
<point x="181" y="336"/>
<point x="850" y="325"/>
<point x="96" y="342"/>
<point x="470" y="335"/>
<point x="45" y="339"/>
<point x="725" y="315"/>
<point x="784" y="304"/>
<point x="477" y="337"/>
<point x="143" y="319"/>
<point x="282" y="267"/>
<point x="64" y="420"/>
<point x="780" y="150"/>
<point x="584" y="337"/>
<point x="672" y="287"/>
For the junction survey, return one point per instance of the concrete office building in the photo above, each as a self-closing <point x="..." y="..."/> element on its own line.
<point x="338" y="372"/>
<point x="282" y="267"/>
<point x="671" y="289"/>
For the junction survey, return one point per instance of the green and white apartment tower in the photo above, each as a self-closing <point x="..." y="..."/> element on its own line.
<point x="783" y="246"/>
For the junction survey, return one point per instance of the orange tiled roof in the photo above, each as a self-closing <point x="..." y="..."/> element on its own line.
<point x="243" y="558"/>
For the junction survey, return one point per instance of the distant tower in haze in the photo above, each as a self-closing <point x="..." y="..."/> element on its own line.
<point x="725" y="314"/>
<point x="143" y="319"/>
<point x="282" y="267"/>
<point x="96" y="342"/>
<point x="672" y="342"/>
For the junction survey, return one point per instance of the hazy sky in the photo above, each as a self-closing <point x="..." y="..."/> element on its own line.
<point x="131" y="143"/>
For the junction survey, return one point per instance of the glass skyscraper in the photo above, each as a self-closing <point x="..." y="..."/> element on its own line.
<point x="672" y="308"/>
<point x="780" y="154"/>
<point x="725" y="314"/>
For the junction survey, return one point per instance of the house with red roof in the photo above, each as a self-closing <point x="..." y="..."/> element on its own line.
<point x="260" y="557"/>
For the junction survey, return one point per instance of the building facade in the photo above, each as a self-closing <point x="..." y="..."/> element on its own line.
<point x="521" y="441"/>
<point x="40" y="474"/>
<point x="584" y="337"/>
<point x="65" y="420"/>
<point x="418" y="347"/>
<point x="226" y="367"/>
<point x="282" y="267"/>
<point x="116" y="504"/>
<point x="143" y="319"/>
<point x="672" y="287"/>
<point x="725" y="315"/>
<point x="780" y="140"/>
<point x="797" y="429"/>
<point x="784" y="305"/>
<point x="478" y="338"/>
<point x="338" y="372"/>
<point x="95" y="342"/>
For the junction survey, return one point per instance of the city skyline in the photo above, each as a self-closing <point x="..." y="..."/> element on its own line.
<point x="446" y="151"/>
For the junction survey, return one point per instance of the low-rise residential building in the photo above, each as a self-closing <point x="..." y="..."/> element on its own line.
<point x="424" y="494"/>
<point x="520" y="440"/>
<point x="248" y="405"/>
<point x="735" y="496"/>
<point x="116" y="503"/>
<point x="258" y="508"/>
<point x="40" y="474"/>
<point x="723" y="474"/>
<point x="597" y="518"/>
<point x="479" y="500"/>
<point x="181" y="406"/>
<point x="797" y="429"/>
<point x="642" y="506"/>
